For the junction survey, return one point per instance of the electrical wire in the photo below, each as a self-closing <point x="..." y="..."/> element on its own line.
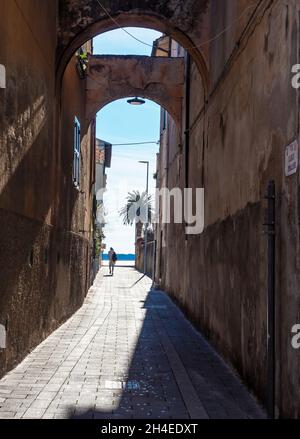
<point x="124" y="30"/>
<point x="186" y="48"/>
<point x="135" y="144"/>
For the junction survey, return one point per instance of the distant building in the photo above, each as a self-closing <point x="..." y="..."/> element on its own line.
<point x="103" y="161"/>
<point x="103" y="155"/>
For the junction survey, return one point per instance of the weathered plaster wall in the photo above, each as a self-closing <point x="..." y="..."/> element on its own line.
<point x="74" y="205"/>
<point x="26" y="144"/>
<point x="43" y="268"/>
<point x="237" y="144"/>
<point x="115" y="77"/>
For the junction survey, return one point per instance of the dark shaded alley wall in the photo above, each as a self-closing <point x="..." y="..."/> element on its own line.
<point x="238" y="137"/>
<point x="43" y="252"/>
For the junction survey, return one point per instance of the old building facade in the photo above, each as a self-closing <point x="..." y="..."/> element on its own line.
<point x="103" y="161"/>
<point x="239" y="112"/>
<point x="234" y="142"/>
<point x="45" y="218"/>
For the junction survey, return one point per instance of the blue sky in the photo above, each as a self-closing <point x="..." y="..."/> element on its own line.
<point x="120" y="122"/>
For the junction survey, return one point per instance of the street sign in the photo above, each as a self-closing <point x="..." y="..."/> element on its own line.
<point x="291" y="159"/>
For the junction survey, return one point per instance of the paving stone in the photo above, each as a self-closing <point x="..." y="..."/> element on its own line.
<point x="7" y="415"/>
<point x="33" y="414"/>
<point x="46" y="395"/>
<point x="40" y="404"/>
<point x="128" y="353"/>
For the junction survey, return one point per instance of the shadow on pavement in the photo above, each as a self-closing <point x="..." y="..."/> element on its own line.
<point x="169" y="357"/>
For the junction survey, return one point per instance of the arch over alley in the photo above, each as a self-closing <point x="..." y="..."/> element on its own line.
<point x="114" y="77"/>
<point x="80" y="22"/>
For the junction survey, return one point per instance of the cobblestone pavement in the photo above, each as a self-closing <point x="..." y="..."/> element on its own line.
<point x="127" y="353"/>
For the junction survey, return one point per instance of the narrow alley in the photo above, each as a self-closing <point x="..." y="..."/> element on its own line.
<point x="127" y="353"/>
<point x="162" y="137"/>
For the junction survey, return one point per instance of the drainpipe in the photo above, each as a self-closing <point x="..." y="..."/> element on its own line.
<point x="187" y="123"/>
<point x="187" y="116"/>
<point x="154" y="263"/>
<point x="271" y="300"/>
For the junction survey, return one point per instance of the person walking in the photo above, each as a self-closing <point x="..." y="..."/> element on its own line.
<point x="112" y="261"/>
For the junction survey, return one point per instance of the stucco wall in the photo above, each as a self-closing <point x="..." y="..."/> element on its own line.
<point x="43" y="257"/>
<point x="237" y="144"/>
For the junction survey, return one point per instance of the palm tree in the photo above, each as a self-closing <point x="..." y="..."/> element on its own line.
<point x="135" y="210"/>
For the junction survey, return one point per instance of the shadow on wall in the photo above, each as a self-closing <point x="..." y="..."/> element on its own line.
<point x="30" y="247"/>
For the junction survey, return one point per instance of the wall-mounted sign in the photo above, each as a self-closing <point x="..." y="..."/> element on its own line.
<point x="291" y="158"/>
<point x="2" y="76"/>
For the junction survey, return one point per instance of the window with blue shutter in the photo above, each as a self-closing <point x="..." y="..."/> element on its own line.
<point x="76" y="153"/>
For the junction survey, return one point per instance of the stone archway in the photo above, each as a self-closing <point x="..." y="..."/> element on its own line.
<point x="114" y="77"/>
<point x="80" y="21"/>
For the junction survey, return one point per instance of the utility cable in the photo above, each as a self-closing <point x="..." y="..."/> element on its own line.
<point x="135" y="144"/>
<point x="124" y="30"/>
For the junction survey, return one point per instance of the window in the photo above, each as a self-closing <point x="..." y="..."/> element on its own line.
<point x="76" y="154"/>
